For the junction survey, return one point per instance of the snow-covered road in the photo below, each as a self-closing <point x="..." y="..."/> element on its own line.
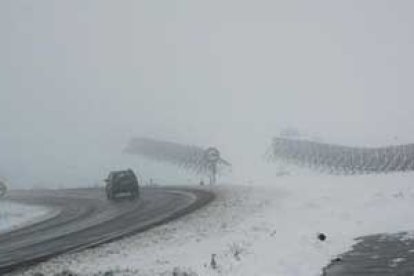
<point x="267" y="228"/>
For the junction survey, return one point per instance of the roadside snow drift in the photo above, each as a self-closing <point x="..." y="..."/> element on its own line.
<point x="269" y="228"/>
<point x="15" y="215"/>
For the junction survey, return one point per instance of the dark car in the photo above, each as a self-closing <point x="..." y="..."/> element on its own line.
<point x="122" y="183"/>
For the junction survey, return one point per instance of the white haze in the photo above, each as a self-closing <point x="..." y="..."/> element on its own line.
<point x="79" y="78"/>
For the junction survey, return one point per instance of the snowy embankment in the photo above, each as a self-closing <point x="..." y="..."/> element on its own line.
<point x="268" y="229"/>
<point x="15" y="215"/>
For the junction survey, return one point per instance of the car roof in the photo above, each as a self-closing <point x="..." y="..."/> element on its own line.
<point x="129" y="171"/>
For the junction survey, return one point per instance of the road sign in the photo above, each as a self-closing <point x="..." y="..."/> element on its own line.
<point x="212" y="155"/>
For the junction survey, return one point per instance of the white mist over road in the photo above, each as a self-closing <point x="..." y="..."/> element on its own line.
<point x="79" y="79"/>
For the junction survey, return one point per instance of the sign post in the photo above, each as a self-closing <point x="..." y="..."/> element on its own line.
<point x="3" y="189"/>
<point x="212" y="156"/>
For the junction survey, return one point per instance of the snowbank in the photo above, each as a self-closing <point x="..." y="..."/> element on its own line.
<point x="263" y="229"/>
<point x="15" y="215"/>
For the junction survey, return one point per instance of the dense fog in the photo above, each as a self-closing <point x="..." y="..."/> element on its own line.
<point x="79" y="79"/>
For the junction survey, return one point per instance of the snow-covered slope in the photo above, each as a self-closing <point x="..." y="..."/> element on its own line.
<point x="267" y="228"/>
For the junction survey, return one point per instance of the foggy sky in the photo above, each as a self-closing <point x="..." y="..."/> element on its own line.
<point x="79" y="78"/>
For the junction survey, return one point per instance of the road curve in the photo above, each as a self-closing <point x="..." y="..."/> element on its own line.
<point x="86" y="219"/>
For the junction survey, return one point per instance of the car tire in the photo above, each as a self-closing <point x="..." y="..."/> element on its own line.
<point x="134" y="194"/>
<point x="109" y="195"/>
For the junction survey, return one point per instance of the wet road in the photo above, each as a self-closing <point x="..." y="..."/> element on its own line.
<point x="84" y="218"/>
<point x="382" y="255"/>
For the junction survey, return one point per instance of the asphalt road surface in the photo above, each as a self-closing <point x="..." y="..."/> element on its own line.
<point x="376" y="255"/>
<point x="86" y="219"/>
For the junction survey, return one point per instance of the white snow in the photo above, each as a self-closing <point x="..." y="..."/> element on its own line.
<point x="15" y="215"/>
<point x="267" y="228"/>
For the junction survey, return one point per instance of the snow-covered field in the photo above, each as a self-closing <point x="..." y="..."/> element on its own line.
<point x="267" y="228"/>
<point x="15" y="215"/>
